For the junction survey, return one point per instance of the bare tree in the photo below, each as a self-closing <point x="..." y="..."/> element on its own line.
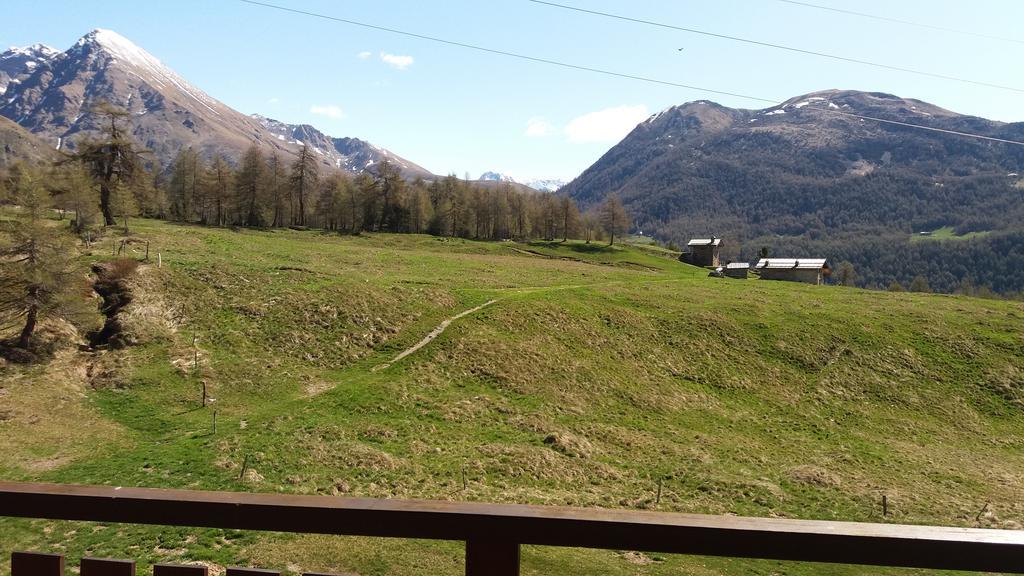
<point x="249" y="187"/>
<point x="304" y="180"/>
<point x="614" y="218"/>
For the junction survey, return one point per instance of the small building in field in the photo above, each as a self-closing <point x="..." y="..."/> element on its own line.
<point x="808" y="270"/>
<point x="703" y="252"/>
<point x="737" y="270"/>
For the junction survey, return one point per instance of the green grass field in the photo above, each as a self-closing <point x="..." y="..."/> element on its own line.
<point x="744" y="397"/>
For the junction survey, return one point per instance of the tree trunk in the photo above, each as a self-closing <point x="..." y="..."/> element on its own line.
<point x="30" y="326"/>
<point x="108" y="211"/>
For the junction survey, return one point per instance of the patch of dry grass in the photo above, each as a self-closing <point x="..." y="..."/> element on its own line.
<point x="47" y="421"/>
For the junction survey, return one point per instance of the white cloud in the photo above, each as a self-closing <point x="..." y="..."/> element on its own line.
<point x="330" y="111"/>
<point x="364" y="55"/>
<point x="608" y="125"/>
<point x="537" y="127"/>
<point x="399" y="62"/>
<point x="273" y="100"/>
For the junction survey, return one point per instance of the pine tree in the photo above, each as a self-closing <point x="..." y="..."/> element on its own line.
<point x="390" y="185"/>
<point x="75" y="192"/>
<point x="38" y="278"/>
<point x="122" y="203"/>
<point x="249" y="187"/>
<point x="218" y="182"/>
<point x="184" y="185"/>
<point x="304" y="181"/>
<point x="112" y="159"/>
<point x="277" y="190"/>
<point x="845" y="274"/>
<point x="920" y="284"/>
<point x="569" y="217"/>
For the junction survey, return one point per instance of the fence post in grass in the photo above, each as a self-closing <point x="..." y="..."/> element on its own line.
<point x="885" y="505"/>
<point x="204" y="393"/>
<point x="657" y="500"/>
<point x="463" y="477"/>
<point x="106" y="567"/>
<point x="215" y="421"/>
<point x="177" y="570"/>
<point x="982" y="513"/>
<point x="245" y="466"/>
<point x="492" y="558"/>
<point x="147" y="250"/>
<point x="159" y="260"/>
<point x="35" y="564"/>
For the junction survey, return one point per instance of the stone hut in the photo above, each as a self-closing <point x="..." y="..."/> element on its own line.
<point x="736" y="270"/>
<point x="703" y="252"/>
<point x="807" y="270"/>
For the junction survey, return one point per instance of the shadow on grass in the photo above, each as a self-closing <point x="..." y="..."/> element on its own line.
<point x="581" y="247"/>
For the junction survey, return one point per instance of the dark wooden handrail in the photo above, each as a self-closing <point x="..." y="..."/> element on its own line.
<point x="495" y="531"/>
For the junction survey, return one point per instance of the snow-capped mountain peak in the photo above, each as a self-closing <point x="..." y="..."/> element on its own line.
<point x="120" y="47"/>
<point x="496" y="177"/>
<point x="540" y="184"/>
<point x="39" y="51"/>
<point x="545" y="184"/>
<point x="17" y="63"/>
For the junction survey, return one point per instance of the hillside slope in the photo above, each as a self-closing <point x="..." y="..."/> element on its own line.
<point x="595" y="372"/>
<point x="810" y="169"/>
<point x="16" y="144"/>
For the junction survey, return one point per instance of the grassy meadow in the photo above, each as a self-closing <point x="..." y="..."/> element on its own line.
<point x="594" y="373"/>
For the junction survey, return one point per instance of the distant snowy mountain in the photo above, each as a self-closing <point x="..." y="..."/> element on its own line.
<point x="545" y="185"/>
<point x="18" y="63"/>
<point x="351" y="154"/>
<point x="496" y="177"/>
<point x="52" y="95"/>
<point x="542" y="185"/>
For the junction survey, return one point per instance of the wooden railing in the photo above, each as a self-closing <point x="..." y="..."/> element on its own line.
<point x="493" y="533"/>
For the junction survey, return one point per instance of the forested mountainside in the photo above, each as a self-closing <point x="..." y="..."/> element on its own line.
<point x="811" y="175"/>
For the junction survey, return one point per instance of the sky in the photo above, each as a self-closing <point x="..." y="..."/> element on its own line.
<point x="459" y="111"/>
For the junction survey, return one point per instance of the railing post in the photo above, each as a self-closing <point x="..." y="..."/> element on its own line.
<point x="106" y="567"/>
<point x="487" y="557"/>
<point x="177" y="570"/>
<point x="35" y="564"/>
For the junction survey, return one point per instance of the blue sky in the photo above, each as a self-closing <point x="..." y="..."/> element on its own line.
<point x="458" y="111"/>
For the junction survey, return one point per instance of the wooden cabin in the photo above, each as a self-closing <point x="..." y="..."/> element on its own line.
<point x="736" y="270"/>
<point x="703" y="252"/>
<point x="807" y="270"/>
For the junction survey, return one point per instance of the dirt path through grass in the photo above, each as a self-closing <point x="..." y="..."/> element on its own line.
<point x="518" y="291"/>
<point x="433" y="334"/>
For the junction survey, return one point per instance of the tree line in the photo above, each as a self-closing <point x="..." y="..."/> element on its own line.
<point x="108" y="179"/>
<point x="269" y="191"/>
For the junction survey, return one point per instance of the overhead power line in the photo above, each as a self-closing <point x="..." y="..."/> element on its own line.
<point x="777" y="46"/>
<point x="609" y="72"/>
<point x="506" y="53"/>
<point x="904" y="22"/>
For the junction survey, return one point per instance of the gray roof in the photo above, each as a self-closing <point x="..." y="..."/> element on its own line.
<point x="705" y="242"/>
<point x="792" y="263"/>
